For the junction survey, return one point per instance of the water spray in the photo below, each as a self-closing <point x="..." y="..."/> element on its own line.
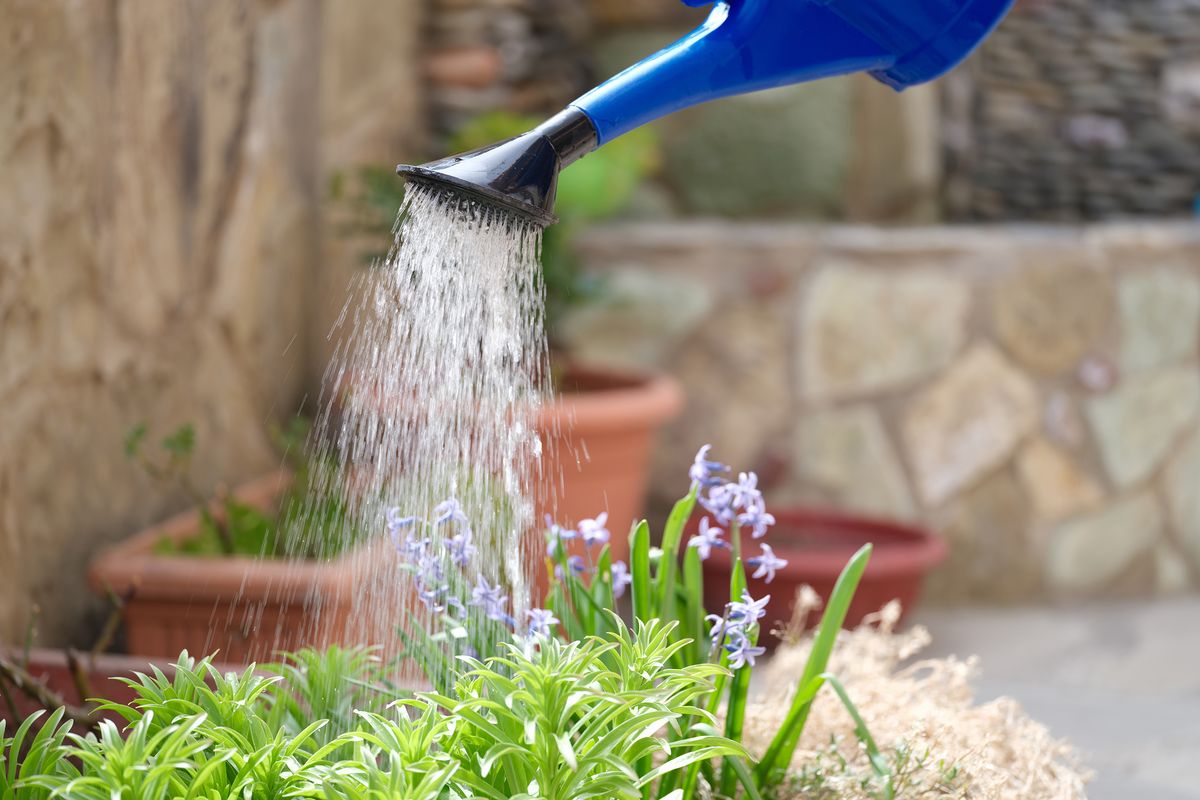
<point x="744" y="46"/>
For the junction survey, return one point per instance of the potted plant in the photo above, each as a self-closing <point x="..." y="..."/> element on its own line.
<point x="805" y="547"/>
<point x="599" y="429"/>
<point x="245" y="573"/>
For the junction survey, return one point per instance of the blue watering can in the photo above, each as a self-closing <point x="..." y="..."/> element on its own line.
<point x="743" y="46"/>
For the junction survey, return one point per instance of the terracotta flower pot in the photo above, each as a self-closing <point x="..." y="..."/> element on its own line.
<point x="244" y="608"/>
<point x="817" y="546"/>
<point x="598" y="437"/>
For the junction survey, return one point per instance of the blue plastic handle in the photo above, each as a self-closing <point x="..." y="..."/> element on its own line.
<point x="749" y="45"/>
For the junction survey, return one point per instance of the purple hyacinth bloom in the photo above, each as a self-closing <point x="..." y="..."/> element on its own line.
<point x="555" y="534"/>
<point x="461" y="549"/>
<point x="722" y="503"/>
<point x="430" y="570"/>
<point x="621" y="579"/>
<point x="767" y="564"/>
<point x="741" y="651"/>
<point x="574" y="563"/>
<point x="449" y="511"/>
<point x="541" y="622"/>
<point x="757" y="519"/>
<point x="748" y="611"/>
<point x="396" y="521"/>
<point x="708" y="538"/>
<point x="704" y="472"/>
<point x="432" y="597"/>
<point x="720" y="627"/>
<point x="491" y="599"/>
<point x="593" y="530"/>
<point x="412" y="549"/>
<point x="747" y="490"/>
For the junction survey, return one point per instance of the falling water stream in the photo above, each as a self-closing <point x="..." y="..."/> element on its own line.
<point x="433" y="393"/>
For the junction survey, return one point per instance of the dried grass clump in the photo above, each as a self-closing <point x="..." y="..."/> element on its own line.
<point x="923" y="715"/>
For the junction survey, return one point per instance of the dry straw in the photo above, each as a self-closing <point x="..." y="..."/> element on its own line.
<point x="922" y="713"/>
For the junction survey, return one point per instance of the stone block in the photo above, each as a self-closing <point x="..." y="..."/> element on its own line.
<point x="968" y="422"/>
<point x="993" y="557"/>
<point x="848" y="453"/>
<point x="1057" y="486"/>
<point x="1183" y="495"/>
<point x="639" y="317"/>
<point x="1160" y="318"/>
<point x="1137" y="425"/>
<point x="872" y="330"/>
<point x="780" y="152"/>
<point x="1093" y="551"/>
<point x="1048" y="314"/>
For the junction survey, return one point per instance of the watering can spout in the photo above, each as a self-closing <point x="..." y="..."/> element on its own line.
<point x="743" y="46"/>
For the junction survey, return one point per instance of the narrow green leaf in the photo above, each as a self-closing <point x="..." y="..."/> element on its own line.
<point x="878" y="762"/>
<point x="669" y="564"/>
<point x="693" y="586"/>
<point x="643" y="591"/>
<point x="778" y="755"/>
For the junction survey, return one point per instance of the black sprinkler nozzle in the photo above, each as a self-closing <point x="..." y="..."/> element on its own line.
<point x="519" y="175"/>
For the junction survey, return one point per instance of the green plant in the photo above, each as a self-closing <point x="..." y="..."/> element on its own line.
<point x="552" y="720"/>
<point x="666" y="585"/>
<point x="596" y="188"/>
<point x="303" y="525"/>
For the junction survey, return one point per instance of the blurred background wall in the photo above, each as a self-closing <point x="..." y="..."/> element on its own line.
<point x="162" y="254"/>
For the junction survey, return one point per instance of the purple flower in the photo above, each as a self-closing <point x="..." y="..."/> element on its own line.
<point x="461" y="548"/>
<point x="757" y="519"/>
<point x="556" y="533"/>
<point x="574" y="563"/>
<point x="430" y="570"/>
<point x="722" y="503"/>
<point x="396" y="522"/>
<point x="708" y="538"/>
<point x="490" y="599"/>
<point x="749" y="611"/>
<point x="412" y="549"/>
<point x="720" y="627"/>
<point x="767" y="564"/>
<point x="449" y="511"/>
<point x="432" y="597"/>
<point x="621" y="579"/>
<point x="747" y="490"/>
<point x="703" y="472"/>
<point x="741" y="651"/>
<point x="593" y="530"/>
<point x="541" y="622"/>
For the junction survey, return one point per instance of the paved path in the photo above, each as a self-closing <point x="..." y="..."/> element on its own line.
<point x="1122" y="682"/>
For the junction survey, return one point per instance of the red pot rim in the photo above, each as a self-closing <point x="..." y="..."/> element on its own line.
<point x="629" y="399"/>
<point x="899" y="548"/>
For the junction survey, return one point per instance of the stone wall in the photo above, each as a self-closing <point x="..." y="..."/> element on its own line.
<point x="162" y="171"/>
<point x="1078" y="109"/>
<point x="520" y="56"/>
<point x="1033" y="394"/>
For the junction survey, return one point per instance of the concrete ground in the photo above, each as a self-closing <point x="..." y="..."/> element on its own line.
<point x="1120" y="681"/>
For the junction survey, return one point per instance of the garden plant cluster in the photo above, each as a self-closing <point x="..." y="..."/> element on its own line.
<point x="571" y="702"/>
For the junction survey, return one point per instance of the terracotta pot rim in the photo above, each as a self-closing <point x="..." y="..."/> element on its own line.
<point x="132" y="564"/>
<point x="646" y="401"/>
<point x="900" y="548"/>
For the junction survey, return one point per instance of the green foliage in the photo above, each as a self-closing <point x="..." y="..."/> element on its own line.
<point x="550" y="719"/>
<point x="657" y="592"/>
<point x="301" y="526"/>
